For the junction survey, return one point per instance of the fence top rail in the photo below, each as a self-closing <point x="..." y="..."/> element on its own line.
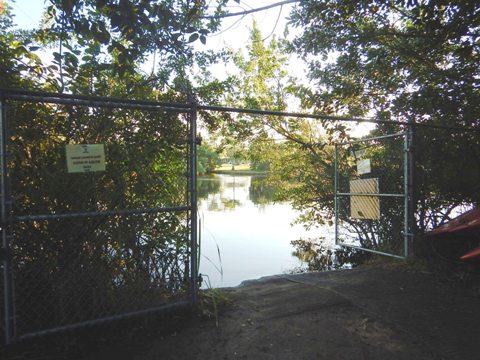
<point x="334" y="118"/>
<point x="94" y="101"/>
<point x="290" y="114"/>
<point x="99" y="101"/>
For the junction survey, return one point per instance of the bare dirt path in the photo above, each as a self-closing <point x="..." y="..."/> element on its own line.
<point x="366" y="313"/>
<point x="373" y="312"/>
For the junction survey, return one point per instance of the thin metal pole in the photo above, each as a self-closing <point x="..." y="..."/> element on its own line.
<point x="371" y="194"/>
<point x="100" y="101"/>
<point x="180" y="305"/>
<point x="373" y="251"/>
<point x="405" y="194"/>
<point x="408" y="192"/>
<point x="335" y="197"/>
<point x="94" y="214"/>
<point x="193" y="200"/>
<point x="373" y="139"/>
<point x="411" y="184"/>
<point x="5" y="226"/>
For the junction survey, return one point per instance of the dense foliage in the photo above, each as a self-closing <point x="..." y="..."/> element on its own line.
<point x="414" y="61"/>
<point x="86" y="267"/>
<point x="130" y="30"/>
<point x="96" y="265"/>
<point x="207" y="159"/>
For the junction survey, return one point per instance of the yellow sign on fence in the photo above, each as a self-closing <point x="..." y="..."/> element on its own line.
<point x="364" y="206"/>
<point x="85" y="158"/>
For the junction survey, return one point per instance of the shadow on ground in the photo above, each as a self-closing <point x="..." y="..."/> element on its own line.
<point x="373" y="312"/>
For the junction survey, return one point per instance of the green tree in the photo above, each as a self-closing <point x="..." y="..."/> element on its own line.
<point x="130" y="30"/>
<point x="18" y="64"/>
<point x="414" y="60"/>
<point x="97" y="42"/>
<point x="91" y="267"/>
<point x="207" y="159"/>
<point x="404" y="60"/>
<point x="262" y="82"/>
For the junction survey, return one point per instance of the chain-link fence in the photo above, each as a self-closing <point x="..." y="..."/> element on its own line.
<point x="371" y="194"/>
<point x="98" y="210"/>
<point x="98" y="202"/>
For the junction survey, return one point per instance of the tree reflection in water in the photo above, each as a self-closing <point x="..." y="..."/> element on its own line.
<point x="319" y="257"/>
<point x="224" y="193"/>
<point x="252" y="233"/>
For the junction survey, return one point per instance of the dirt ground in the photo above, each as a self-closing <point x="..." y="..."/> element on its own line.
<point x="373" y="312"/>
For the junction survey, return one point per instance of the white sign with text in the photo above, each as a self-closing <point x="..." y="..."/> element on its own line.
<point x="85" y="158"/>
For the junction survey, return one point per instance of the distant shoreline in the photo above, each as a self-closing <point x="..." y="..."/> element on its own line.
<point x="239" y="172"/>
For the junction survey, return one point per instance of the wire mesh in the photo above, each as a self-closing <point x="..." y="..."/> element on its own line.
<point x="96" y="244"/>
<point x="370" y="194"/>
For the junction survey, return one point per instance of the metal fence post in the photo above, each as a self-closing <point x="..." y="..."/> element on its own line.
<point x="9" y="310"/>
<point x="408" y="190"/>
<point x="335" y="197"/>
<point x="411" y="190"/>
<point x="193" y="200"/>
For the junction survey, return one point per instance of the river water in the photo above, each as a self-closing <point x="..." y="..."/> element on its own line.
<point x="244" y="234"/>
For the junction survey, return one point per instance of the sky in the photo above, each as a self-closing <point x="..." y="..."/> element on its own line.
<point x="27" y="12"/>
<point x="234" y="30"/>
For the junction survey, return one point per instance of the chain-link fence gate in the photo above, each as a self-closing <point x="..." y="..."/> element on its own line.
<point x="373" y="194"/>
<point x="98" y="210"/>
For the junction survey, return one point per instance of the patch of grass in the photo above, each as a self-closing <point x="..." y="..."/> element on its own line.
<point x="211" y="301"/>
<point x="230" y="167"/>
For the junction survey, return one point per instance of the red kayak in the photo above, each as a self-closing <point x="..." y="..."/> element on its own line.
<point x="473" y="254"/>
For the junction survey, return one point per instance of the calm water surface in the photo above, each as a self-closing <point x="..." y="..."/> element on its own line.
<point x="244" y="234"/>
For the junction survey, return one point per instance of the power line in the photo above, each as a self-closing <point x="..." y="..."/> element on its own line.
<point x="246" y="12"/>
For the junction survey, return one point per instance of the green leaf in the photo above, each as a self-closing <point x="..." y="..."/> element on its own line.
<point x="193" y="37"/>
